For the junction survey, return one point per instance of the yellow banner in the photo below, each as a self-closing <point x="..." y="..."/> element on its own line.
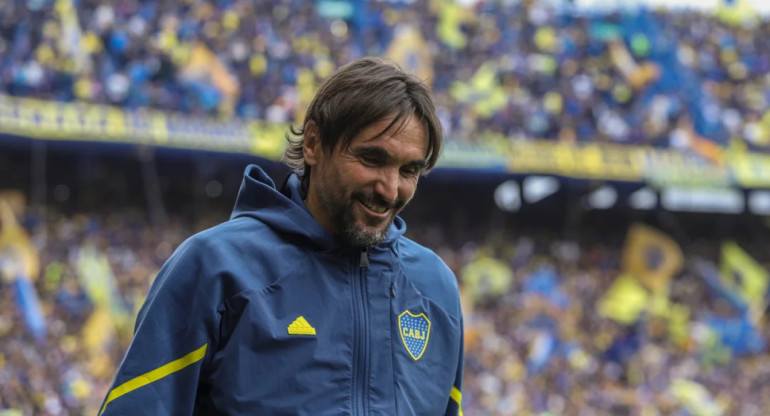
<point x="92" y="122"/>
<point x="618" y="162"/>
<point x="637" y="163"/>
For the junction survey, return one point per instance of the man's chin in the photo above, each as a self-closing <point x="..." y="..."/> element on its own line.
<point x="367" y="236"/>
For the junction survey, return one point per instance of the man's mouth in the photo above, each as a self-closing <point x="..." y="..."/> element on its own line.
<point x="374" y="206"/>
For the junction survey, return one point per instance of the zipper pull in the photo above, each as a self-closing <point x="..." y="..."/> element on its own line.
<point x="364" y="259"/>
<point x="392" y="290"/>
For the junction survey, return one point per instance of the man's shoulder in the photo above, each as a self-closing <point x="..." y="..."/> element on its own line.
<point x="429" y="274"/>
<point x="237" y="231"/>
<point x="415" y="253"/>
<point x="246" y="251"/>
<point x="228" y="242"/>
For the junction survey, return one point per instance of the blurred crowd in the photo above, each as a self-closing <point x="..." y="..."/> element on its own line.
<point x="64" y="364"/>
<point x="547" y="334"/>
<point x="689" y="80"/>
<point x="553" y="326"/>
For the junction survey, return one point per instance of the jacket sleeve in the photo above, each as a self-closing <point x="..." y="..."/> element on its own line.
<point x="455" y="407"/>
<point x="173" y="338"/>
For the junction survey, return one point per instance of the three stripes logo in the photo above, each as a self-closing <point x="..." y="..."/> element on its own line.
<point x="300" y="326"/>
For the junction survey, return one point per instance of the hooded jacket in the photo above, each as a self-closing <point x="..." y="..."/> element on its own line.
<point x="269" y="314"/>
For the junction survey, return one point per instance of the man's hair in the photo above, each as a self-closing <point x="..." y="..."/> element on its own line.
<point x="358" y="94"/>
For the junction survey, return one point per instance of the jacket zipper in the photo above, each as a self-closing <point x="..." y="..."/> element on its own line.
<point x="393" y="351"/>
<point x="361" y="343"/>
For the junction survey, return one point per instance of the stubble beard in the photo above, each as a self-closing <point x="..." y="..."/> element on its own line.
<point x="342" y="215"/>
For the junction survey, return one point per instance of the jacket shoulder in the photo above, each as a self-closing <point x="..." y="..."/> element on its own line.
<point x="429" y="274"/>
<point x="235" y="231"/>
<point x="245" y="251"/>
<point x="240" y="236"/>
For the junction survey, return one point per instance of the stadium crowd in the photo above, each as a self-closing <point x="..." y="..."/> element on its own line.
<point x="549" y="331"/>
<point x="553" y="326"/>
<point x="523" y="69"/>
<point x="66" y="367"/>
<point x="548" y="341"/>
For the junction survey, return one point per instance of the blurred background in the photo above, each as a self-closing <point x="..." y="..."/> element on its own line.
<point x="603" y="197"/>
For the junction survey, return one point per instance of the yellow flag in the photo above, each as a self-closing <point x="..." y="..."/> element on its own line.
<point x="15" y="243"/>
<point x="98" y="334"/>
<point x="638" y="76"/>
<point x="98" y="281"/>
<point x="98" y="331"/>
<point x="306" y="88"/>
<point x="71" y="34"/>
<point x="450" y="16"/>
<point x="204" y="64"/>
<point x="483" y="91"/>
<point x="736" y="12"/>
<point x="651" y="256"/>
<point x="486" y="276"/>
<point x="695" y="398"/>
<point x="409" y="49"/>
<point x="624" y="301"/>
<point x="743" y="275"/>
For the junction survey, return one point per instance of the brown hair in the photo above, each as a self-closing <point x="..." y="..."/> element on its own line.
<point x="358" y="94"/>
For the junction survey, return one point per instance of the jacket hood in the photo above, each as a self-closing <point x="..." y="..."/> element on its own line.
<point x="284" y="210"/>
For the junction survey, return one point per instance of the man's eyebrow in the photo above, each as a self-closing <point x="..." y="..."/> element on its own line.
<point x="373" y="151"/>
<point x="382" y="154"/>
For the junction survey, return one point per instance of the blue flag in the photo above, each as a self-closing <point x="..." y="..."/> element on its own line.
<point x="29" y="305"/>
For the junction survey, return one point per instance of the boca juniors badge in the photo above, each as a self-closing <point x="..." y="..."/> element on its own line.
<point x="415" y="331"/>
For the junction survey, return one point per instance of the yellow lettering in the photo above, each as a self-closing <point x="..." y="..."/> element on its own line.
<point x="115" y="125"/>
<point x="413" y="333"/>
<point x="48" y="118"/>
<point x="68" y="120"/>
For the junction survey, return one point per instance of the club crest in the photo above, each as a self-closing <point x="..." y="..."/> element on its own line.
<point x="415" y="331"/>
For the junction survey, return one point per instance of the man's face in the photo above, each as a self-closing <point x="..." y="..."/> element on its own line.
<point x="357" y="192"/>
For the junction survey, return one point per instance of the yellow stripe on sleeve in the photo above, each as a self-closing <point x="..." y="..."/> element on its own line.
<point x="155" y="375"/>
<point x="457" y="396"/>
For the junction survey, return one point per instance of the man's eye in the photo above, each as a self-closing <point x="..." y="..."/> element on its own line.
<point x="370" y="160"/>
<point x="411" y="171"/>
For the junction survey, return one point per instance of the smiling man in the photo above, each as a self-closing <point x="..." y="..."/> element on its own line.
<point x="309" y="300"/>
<point x="358" y="191"/>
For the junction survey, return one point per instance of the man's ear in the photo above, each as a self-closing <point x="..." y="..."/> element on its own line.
<point x="311" y="146"/>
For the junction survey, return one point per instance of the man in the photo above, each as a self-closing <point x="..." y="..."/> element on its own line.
<point x="310" y="301"/>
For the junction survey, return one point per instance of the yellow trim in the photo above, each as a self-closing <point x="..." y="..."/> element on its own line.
<point x="457" y="396"/>
<point x="155" y="375"/>
<point x="401" y="332"/>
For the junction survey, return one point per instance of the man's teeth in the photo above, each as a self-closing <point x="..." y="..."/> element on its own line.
<point x="375" y="207"/>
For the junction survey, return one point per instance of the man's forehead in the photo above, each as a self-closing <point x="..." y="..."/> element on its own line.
<point x="407" y="128"/>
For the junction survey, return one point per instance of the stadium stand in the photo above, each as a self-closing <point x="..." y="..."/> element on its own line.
<point x="565" y="315"/>
<point x="681" y="79"/>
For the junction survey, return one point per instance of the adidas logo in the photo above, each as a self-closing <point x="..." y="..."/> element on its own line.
<point x="300" y="326"/>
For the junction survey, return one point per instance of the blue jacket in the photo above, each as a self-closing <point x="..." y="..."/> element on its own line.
<point x="268" y="314"/>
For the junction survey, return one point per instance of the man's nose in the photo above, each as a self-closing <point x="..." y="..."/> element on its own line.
<point x="387" y="185"/>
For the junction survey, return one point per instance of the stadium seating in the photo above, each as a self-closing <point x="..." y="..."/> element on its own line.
<point x="681" y="79"/>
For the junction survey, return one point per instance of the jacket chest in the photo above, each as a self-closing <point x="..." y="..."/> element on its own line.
<point x="359" y="339"/>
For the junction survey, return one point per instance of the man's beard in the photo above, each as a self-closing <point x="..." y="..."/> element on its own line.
<point x="342" y="216"/>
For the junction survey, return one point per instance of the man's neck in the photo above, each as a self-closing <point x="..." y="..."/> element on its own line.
<point x="316" y="210"/>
